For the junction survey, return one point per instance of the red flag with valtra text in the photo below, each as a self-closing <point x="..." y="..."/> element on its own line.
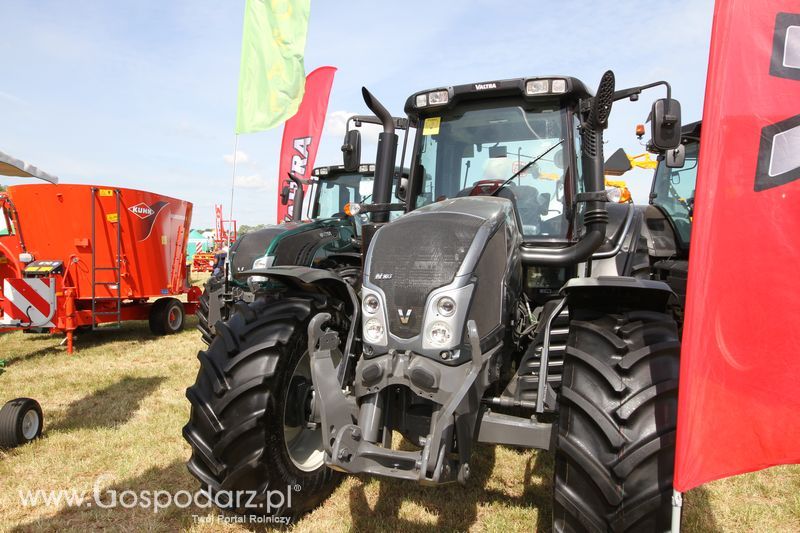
<point x="301" y="136"/>
<point x="739" y="401"/>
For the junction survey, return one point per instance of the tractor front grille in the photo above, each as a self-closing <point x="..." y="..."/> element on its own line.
<point x="415" y="255"/>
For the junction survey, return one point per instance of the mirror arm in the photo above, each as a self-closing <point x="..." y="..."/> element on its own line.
<point x="635" y="91"/>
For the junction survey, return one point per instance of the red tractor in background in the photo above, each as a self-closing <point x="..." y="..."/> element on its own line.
<point x="223" y="236"/>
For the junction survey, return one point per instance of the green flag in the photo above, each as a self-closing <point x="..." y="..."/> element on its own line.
<point x="272" y="74"/>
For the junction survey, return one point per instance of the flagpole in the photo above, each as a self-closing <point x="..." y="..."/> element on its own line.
<point x="677" y="506"/>
<point x="233" y="184"/>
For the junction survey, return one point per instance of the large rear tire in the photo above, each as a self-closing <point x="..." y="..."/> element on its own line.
<point x="618" y="411"/>
<point x="250" y="405"/>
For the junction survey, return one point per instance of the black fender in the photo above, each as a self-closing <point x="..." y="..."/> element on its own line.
<point x="314" y="280"/>
<point x="616" y="292"/>
<point x="345" y="258"/>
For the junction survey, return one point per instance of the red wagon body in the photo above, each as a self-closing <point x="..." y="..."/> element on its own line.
<point x="82" y="255"/>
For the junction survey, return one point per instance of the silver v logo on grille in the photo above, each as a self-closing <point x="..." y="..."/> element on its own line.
<point x="404" y="318"/>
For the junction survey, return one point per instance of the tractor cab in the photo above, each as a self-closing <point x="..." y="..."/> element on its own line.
<point x="333" y="188"/>
<point x="674" y="186"/>
<point x="511" y="139"/>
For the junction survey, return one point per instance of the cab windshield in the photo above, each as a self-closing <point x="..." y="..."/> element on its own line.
<point x="473" y="149"/>
<point x="673" y="191"/>
<point x="335" y="192"/>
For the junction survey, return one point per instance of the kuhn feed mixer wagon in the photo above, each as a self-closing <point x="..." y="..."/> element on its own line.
<point x="77" y="256"/>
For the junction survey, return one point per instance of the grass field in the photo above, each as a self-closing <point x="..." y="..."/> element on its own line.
<point x="114" y="412"/>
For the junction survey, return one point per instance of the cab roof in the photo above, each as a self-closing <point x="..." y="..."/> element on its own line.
<point x="324" y="172"/>
<point x="575" y="90"/>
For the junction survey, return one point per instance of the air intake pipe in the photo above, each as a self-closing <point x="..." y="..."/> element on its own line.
<point x="299" y="193"/>
<point x="595" y="216"/>
<point x="384" y="159"/>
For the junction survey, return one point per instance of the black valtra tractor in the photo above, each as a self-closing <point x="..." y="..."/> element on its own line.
<point x="481" y="318"/>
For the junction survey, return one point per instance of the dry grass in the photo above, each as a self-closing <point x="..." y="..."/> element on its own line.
<point x="116" y="408"/>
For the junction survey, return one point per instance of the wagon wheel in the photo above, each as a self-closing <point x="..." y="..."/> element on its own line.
<point x="167" y="316"/>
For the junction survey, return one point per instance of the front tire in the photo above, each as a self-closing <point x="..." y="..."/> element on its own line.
<point x="250" y="404"/>
<point x="618" y="414"/>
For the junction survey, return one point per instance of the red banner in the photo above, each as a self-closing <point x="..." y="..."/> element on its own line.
<point x="301" y="136"/>
<point x="739" y="402"/>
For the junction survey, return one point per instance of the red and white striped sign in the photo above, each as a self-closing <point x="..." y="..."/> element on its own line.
<point x="28" y="302"/>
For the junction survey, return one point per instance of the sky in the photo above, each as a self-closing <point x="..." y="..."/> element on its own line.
<point x="143" y="94"/>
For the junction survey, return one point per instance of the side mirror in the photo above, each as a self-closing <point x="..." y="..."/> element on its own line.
<point x="401" y="188"/>
<point x="676" y="157"/>
<point x="665" y="123"/>
<point x="285" y="195"/>
<point x="351" y="150"/>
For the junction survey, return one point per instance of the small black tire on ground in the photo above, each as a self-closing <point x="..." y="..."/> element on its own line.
<point x="167" y="316"/>
<point x="247" y="410"/>
<point x="615" y="447"/>
<point x="21" y="421"/>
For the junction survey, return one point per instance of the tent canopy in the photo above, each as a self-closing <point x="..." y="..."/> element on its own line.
<point x="11" y="166"/>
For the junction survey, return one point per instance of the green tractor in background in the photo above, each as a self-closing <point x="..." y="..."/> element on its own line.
<point x="667" y="218"/>
<point x="327" y="237"/>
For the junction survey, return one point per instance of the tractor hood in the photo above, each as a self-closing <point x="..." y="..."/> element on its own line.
<point x="457" y="247"/>
<point x="253" y="245"/>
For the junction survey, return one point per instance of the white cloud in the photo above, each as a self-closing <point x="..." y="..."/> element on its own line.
<point x="336" y="122"/>
<point x="241" y="157"/>
<point x="252" y="181"/>
<point x="11" y="98"/>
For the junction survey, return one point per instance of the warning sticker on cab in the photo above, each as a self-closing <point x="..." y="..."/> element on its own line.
<point x="431" y="126"/>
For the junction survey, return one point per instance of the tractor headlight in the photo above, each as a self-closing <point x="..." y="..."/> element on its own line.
<point x="373" y="330"/>
<point x="445" y="315"/>
<point x="537" y="86"/>
<point x="374" y="325"/>
<point x="438" y="97"/>
<point x="545" y="86"/>
<point x="440" y="335"/>
<point x="263" y="262"/>
<point x="432" y="98"/>
<point x="371" y="304"/>
<point x="446" y="306"/>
